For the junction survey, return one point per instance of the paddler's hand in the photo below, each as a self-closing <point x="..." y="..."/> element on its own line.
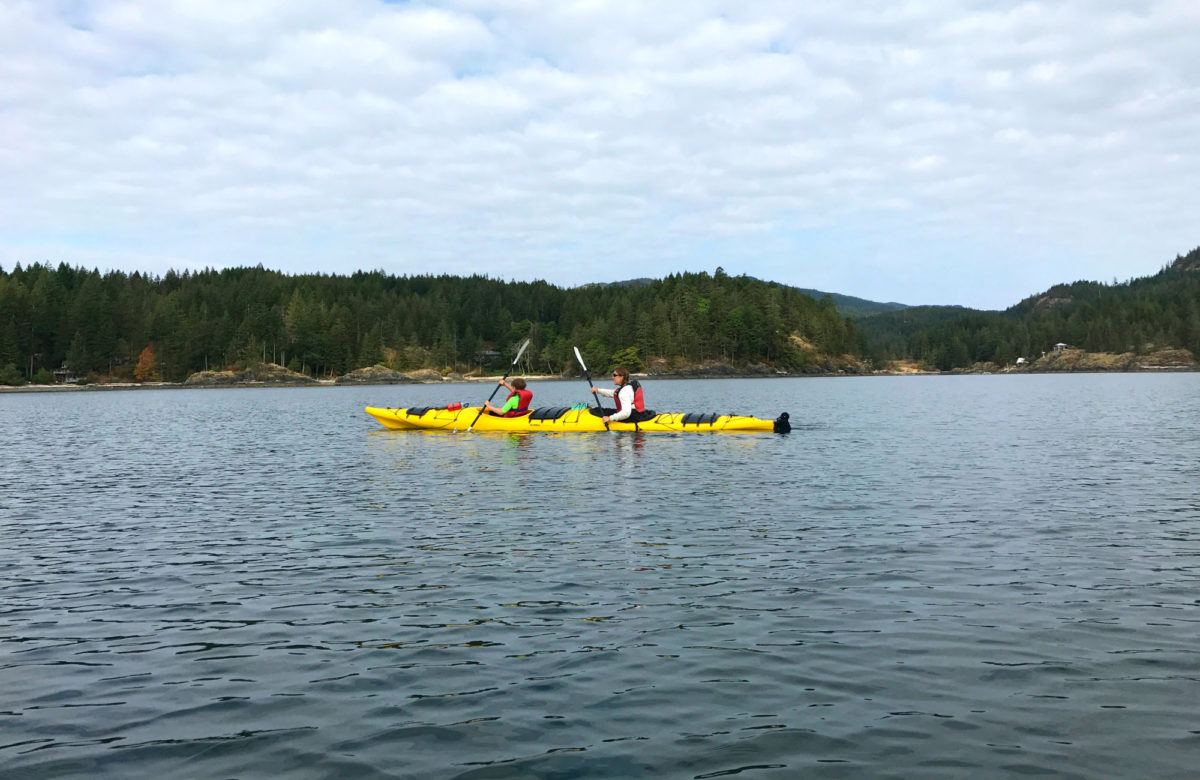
<point x="604" y="420"/>
<point x="595" y="391"/>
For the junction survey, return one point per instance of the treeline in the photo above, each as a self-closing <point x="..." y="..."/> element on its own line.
<point x="1157" y="311"/>
<point x="128" y="326"/>
<point x="120" y="325"/>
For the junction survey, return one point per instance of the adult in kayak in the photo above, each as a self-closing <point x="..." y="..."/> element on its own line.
<point x="517" y="402"/>
<point x="628" y="397"/>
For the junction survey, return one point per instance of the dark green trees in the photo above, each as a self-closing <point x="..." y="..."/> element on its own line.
<point x="1162" y="310"/>
<point x="327" y="325"/>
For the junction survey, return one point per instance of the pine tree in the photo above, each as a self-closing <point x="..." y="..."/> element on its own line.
<point x="9" y="352"/>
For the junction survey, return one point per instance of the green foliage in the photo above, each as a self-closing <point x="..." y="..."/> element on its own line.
<point x="627" y="357"/>
<point x="324" y="325"/>
<point x="78" y="356"/>
<point x="9" y="351"/>
<point x="1162" y="310"/>
<point x="9" y="375"/>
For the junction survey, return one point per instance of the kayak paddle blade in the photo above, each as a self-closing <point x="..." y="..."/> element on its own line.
<point x="520" y="352"/>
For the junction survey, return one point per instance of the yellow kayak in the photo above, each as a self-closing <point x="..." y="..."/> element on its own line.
<point x="568" y="420"/>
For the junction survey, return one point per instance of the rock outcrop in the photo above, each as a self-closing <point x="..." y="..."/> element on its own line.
<point x="1079" y="360"/>
<point x="259" y="374"/>
<point x="425" y="375"/>
<point x="1166" y="359"/>
<point x="375" y="375"/>
<point x="904" y="368"/>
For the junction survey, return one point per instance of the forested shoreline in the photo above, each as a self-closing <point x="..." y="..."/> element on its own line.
<point x="139" y="327"/>
<point x="117" y="326"/>
<point x="1136" y="316"/>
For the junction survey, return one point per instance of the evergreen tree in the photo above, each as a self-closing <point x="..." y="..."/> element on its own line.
<point x="9" y="353"/>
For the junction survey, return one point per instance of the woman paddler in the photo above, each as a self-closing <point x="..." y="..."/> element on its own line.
<point x="627" y="395"/>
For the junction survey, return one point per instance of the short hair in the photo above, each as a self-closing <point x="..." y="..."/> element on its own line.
<point x="519" y="383"/>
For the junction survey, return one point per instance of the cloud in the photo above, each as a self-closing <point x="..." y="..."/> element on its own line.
<point x="937" y="146"/>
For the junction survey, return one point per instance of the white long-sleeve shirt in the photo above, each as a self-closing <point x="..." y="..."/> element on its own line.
<point x="626" y="399"/>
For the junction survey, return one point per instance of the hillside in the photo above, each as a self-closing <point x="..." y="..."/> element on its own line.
<point x="848" y="305"/>
<point x="132" y="326"/>
<point x="135" y="327"/>
<point x="1138" y="316"/>
<point x="854" y="307"/>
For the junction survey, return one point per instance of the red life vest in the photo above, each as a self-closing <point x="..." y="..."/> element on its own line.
<point x="525" y="397"/>
<point x="639" y="401"/>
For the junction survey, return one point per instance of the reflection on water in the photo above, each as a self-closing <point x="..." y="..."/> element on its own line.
<point x="933" y="577"/>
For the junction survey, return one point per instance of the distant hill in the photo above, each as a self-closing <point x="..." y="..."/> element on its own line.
<point x="639" y="282"/>
<point x="854" y="307"/>
<point x="847" y="305"/>
<point x="1152" y="312"/>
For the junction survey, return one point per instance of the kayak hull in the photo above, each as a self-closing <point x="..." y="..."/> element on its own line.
<point x="569" y="421"/>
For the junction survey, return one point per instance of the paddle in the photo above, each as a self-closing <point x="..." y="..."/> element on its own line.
<point x="520" y="352"/>
<point x="588" y="377"/>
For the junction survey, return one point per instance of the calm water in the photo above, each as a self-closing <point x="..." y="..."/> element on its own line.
<point x="930" y="577"/>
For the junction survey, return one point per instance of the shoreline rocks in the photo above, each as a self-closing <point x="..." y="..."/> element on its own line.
<point x="272" y="375"/>
<point x="375" y="375"/>
<point x="1072" y="360"/>
<point x="260" y="374"/>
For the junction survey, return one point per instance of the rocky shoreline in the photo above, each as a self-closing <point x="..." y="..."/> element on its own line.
<point x="1079" y="361"/>
<point x="270" y="375"/>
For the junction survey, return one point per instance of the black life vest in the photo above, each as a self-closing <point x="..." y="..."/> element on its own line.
<point x="639" y="400"/>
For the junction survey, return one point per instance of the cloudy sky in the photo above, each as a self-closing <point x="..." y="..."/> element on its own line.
<point x="967" y="152"/>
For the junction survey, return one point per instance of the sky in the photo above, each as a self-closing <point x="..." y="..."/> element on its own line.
<point x="969" y="152"/>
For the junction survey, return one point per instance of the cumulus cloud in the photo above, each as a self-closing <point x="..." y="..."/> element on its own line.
<point x="920" y="151"/>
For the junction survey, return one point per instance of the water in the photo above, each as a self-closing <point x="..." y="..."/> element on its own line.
<point x="930" y="577"/>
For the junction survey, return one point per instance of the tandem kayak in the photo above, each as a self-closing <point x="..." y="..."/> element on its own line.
<point x="566" y="419"/>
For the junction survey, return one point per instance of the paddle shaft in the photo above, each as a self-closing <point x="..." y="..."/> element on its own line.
<point x="587" y="375"/>
<point x="496" y="389"/>
<point x="503" y="379"/>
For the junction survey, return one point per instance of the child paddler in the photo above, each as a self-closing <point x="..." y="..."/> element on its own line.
<point x="517" y="403"/>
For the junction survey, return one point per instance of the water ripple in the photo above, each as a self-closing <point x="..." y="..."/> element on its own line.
<point x="932" y="578"/>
